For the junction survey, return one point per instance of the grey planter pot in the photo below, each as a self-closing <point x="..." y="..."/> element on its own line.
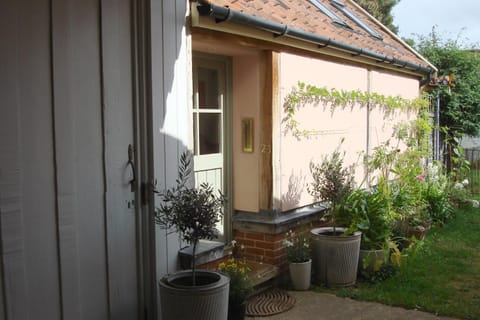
<point x="206" y="301"/>
<point x="369" y="259"/>
<point x="335" y="257"/>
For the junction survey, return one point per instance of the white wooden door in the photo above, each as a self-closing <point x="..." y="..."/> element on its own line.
<point x="123" y="216"/>
<point x="69" y="222"/>
<point x="209" y="119"/>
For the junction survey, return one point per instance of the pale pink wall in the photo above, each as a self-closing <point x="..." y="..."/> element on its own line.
<point x="388" y="84"/>
<point x="246" y="98"/>
<point x="348" y="124"/>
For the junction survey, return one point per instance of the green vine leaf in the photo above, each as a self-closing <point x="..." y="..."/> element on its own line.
<point x="305" y="94"/>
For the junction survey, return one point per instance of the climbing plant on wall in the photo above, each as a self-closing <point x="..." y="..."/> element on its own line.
<point x="306" y="94"/>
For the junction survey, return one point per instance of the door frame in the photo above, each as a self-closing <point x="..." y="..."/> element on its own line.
<point x="227" y="136"/>
<point x="142" y="112"/>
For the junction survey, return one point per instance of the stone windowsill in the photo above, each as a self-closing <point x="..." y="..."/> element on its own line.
<point x="277" y="222"/>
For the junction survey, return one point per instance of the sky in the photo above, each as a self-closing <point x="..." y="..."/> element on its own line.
<point x="451" y="18"/>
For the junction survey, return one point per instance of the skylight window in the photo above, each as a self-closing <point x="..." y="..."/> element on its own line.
<point x="329" y="13"/>
<point x="355" y="19"/>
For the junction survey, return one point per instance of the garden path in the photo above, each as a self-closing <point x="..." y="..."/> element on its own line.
<point x="322" y="306"/>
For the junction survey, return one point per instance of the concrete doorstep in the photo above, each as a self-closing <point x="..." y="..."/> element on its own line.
<point x="323" y="306"/>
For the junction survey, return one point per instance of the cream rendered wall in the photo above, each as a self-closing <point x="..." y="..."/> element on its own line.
<point x="348" y="124"/>
<point x="388" y="84"/>
<point x="246" y="100"/>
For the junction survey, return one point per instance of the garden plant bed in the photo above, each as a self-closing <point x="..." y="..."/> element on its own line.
<point x="442" y="278"/>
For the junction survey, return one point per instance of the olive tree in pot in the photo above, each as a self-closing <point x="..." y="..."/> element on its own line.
<point x="193" y="213"/>
<point x="334" y="251"/>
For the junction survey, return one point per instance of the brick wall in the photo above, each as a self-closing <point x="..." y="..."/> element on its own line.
<point x="265" y="248"/>
<point x="260" y="247"/>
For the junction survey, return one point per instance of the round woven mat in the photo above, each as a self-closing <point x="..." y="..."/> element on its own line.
<point x="269" y="303"/>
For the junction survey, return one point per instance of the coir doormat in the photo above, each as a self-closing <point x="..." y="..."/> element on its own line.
<point x="270" y="302"/>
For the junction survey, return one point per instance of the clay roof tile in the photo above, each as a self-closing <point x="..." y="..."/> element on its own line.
<point x="302" y="14"/>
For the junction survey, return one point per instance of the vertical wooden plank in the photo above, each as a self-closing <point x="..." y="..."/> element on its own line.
<point x="170" y="83"/>
<point x="158" y="118"/>
<point x="276" y="133"/>
<point x="14" y="286"/>
<point x="3" y="314"/>
<point x="37" y="152"/>
<point x="173" y="144"/>
<point x="169" y="102"/>
<point x="118" y="131"/>
<point x="27" y="203"/>
<point x="269" y="67"/>
<point x="183" y="75"/>
<point x="80" y="175"/>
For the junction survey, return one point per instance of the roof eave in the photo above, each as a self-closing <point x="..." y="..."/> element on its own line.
<point x="224" y="14"/>
<point x="395" y="36"/>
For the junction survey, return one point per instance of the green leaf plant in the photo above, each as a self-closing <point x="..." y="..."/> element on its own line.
<point x="306" y="94"/>
<point x="332" y="182"/>
<point x="193" y="212"/>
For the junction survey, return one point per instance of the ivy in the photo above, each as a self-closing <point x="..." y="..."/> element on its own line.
<point x="306" y="94"/>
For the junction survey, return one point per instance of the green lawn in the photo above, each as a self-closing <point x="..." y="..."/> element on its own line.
<point x="442" y="278"/>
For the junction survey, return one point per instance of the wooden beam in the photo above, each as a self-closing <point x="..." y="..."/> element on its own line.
<point x="269" y="74"/>
<point x="248" y="38"/>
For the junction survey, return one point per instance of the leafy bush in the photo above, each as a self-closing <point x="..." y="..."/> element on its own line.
<point x="386" y="270"/>
<point x="436" y="193"/>
<point x="332" y="182"/>
<point x="240" y="285"/>
<point x="368" y="212"/>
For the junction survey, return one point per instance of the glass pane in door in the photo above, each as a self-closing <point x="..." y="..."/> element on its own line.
<point x="208" y="89"/>
<point x="210" y="133"/>
<point x="209" y="84"/>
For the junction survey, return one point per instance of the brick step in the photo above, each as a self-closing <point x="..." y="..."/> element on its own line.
<point x="211" y="253"/>
<point x="261" y="272"/>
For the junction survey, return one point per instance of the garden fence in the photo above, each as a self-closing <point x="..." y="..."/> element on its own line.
<point x="473" y="156"/>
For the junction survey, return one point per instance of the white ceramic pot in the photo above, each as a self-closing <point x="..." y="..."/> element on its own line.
<point x="300" y="273"/>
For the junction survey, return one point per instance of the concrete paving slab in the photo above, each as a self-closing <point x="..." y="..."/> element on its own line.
<point x="323" y="306"/>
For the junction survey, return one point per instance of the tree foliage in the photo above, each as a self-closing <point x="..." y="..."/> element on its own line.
<point x="381" y="10"/>
<point x="459" y="104"/>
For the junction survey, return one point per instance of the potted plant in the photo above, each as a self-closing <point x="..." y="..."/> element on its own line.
<point x="297" y="248"/>
<point x="334" y="251"/>
<point x="193" y="213"/>
<point x="368" y="211"/>
<point x="241" y="287"/>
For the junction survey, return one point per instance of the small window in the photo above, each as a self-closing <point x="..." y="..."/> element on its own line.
<point x="329" y="13"/>
<point x="354" y="18"/>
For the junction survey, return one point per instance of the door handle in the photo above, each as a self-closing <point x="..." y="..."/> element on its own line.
<point x="133" y="181"/>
